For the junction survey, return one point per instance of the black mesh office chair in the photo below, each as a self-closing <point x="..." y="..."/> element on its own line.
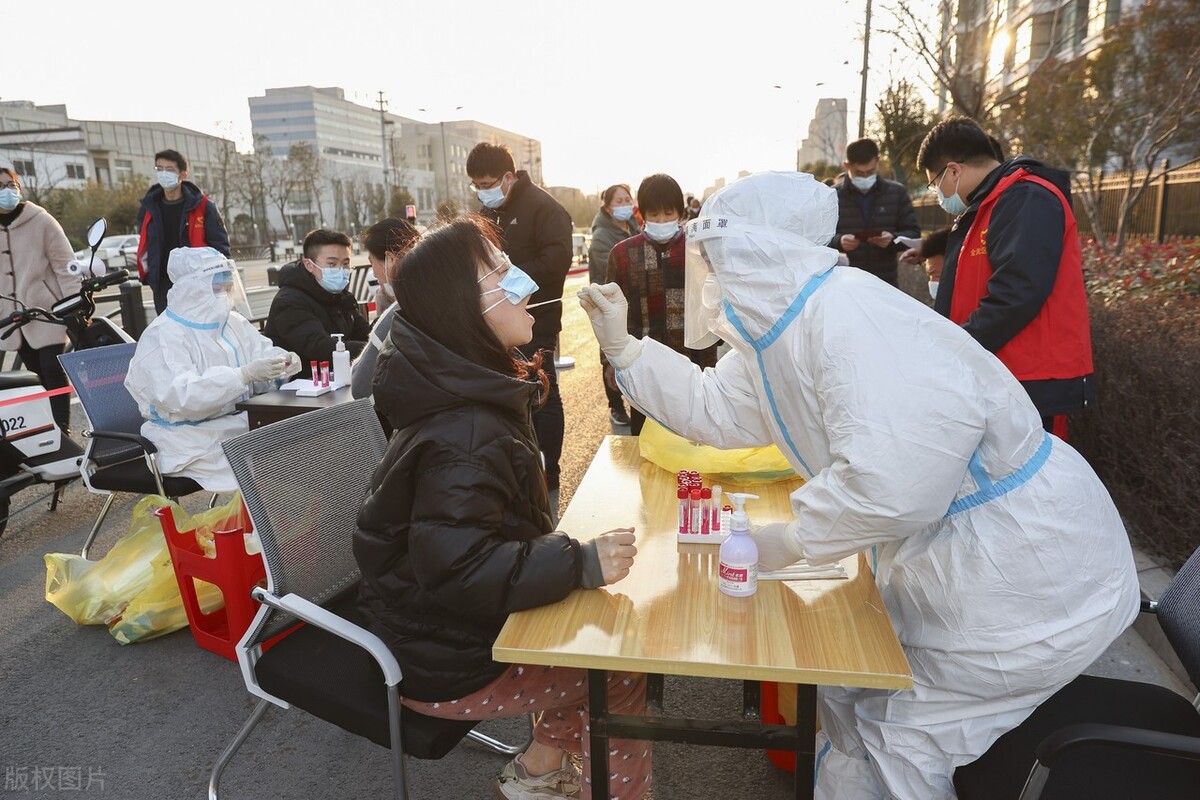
<point x="1103" y="738"/>
<point x="332" y="667"/>
<point x="118" y="458"/>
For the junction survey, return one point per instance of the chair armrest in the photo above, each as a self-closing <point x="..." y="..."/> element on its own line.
<point x="1066" y="739"/>
<point x="135" y="438"/>
<point x="326" y="620"/>
<point x="1071" y="737"/>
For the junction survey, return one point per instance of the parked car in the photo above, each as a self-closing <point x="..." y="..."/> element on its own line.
<point x="117" y="252"/>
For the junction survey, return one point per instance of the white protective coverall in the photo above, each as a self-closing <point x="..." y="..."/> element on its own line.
<point x="186" y="374"/>
<point x="1004" y="565"/>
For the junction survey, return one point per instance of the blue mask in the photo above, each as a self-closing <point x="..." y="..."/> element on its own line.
<point x="661" y="232"/>
<point x="493" y="197"/>
<point x="863" y="184"/>
<point x="167" y="180"/>
<point x="952" y="205"/>
<point x="9" y="197"/>
<point x="516" y="285"/>
<point x="622" y="213"/>
<point x="334" y="279"/>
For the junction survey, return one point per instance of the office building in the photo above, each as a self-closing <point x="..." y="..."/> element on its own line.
<point x="826" y="139"/>
<point x="50" y="150"/>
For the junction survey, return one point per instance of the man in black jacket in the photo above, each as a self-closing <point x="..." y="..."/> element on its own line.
<point x="313" y="302"/>
<point x="872" y="212"/>
<point x="536" y="231"/>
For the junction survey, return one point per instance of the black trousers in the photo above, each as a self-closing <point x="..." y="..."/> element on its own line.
<point x="549" y="422"/>
<point x="43" y="361"/>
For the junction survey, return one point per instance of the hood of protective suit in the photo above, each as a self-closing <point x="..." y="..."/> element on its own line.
<point x="205" y="287"/>
<point x="751" y="251"/>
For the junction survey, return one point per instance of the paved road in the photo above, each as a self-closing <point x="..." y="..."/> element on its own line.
<point x="148" y="720"/>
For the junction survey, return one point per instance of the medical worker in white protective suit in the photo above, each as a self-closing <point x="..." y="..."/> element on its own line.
<point x="1001" y="558"/>
<point x="195" y="362"/>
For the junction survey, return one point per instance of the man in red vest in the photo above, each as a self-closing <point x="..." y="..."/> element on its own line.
<point x="1012" y="275"/>
<point x="174" y="213"/>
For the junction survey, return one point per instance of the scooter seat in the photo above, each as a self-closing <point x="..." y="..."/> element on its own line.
<point x="18" y="378"/>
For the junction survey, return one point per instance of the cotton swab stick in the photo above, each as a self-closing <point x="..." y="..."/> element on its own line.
<point x="543" y="303"/>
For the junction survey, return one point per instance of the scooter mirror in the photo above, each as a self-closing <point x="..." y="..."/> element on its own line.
<point x="96" y="233"/>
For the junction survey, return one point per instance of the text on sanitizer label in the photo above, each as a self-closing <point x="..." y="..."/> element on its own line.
<point x="737" y="576"/>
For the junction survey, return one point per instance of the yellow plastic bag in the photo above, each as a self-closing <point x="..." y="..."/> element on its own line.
<point x="745" y="465"/>
<point x="133" y="589"/>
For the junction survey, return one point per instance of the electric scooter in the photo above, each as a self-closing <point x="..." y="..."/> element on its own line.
<point x="33" y="448"/>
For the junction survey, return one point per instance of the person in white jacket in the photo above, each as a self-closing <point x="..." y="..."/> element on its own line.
<point x="1004" y="565"/>
<point x="195" y="362"/>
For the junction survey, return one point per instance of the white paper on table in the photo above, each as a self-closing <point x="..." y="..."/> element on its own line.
<point x="306" y="383"/>
<point x="802" y="570"/>
<point x="909" y="242"/>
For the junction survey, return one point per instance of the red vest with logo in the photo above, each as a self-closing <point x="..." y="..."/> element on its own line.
<point x="1058" y="342"/>
<point x="195" y="233"/>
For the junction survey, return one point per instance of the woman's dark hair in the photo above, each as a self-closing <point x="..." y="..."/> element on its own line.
<point x="389" y="235"/>
<point x="659" y="193"/>
<point x="437" y="290"/>
<point x="611" y="192"/>
<point x="956" y="139"/>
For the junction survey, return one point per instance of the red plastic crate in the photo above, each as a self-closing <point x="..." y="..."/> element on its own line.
<point x="770" y="708"/>
<point x="234" y="571"/>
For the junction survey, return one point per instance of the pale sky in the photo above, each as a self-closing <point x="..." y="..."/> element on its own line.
<point x="615" y="91"/>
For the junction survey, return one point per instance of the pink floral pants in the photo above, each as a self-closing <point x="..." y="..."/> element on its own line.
<point x="561" y="695"/>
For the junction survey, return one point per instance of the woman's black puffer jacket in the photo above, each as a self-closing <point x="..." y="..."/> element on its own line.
<point x="455" y="531"/>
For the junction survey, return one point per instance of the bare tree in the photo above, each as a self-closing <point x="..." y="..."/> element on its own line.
<point x="1126" y="107"/>
<point x="248" y="184"/>
<point x="901" y="122"/>
<point x="228" y="166"/>
<point x="279" y="187"/>
<point x="954" y="62"/>
<point x="308" y="173"/>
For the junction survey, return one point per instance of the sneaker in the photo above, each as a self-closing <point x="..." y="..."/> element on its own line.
<point x="514" y="783"/>
<point x="618" y="416"/>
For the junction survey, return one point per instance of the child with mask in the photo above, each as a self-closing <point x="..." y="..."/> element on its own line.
<point x="649" y="268"/>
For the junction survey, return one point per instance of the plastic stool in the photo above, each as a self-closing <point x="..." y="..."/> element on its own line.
<point x="771" y="707"/>
<point x="233" y="571"/>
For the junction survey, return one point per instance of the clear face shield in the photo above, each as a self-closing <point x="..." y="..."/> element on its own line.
<point x="227" y="287"/>
<point x="703" y="305"/>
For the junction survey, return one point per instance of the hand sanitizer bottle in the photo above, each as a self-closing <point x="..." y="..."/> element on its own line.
<point x="738" y="566"/>
<point x="341" y="361"/>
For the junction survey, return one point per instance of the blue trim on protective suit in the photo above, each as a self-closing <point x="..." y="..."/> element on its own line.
<point x="232" y="347"/>
<point x="821" y="757"/>
<point x="157" y="420"/>
<point x="769" y="338"/>
<point x="200" y="326"/>
<point x="990" y="491"/>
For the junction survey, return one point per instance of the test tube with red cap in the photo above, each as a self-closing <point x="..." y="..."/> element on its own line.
<point x="685" y="509"/>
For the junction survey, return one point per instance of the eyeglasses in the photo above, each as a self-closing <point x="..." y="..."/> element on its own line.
<point x="9" y="185"/>
<point x="171" y="169"/>
<point x="933" y="183"/>
<point x="492" y="185"/>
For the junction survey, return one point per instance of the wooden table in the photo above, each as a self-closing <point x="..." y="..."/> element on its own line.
<point x="667" y="617"/>
<point x="271" y="407"/>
